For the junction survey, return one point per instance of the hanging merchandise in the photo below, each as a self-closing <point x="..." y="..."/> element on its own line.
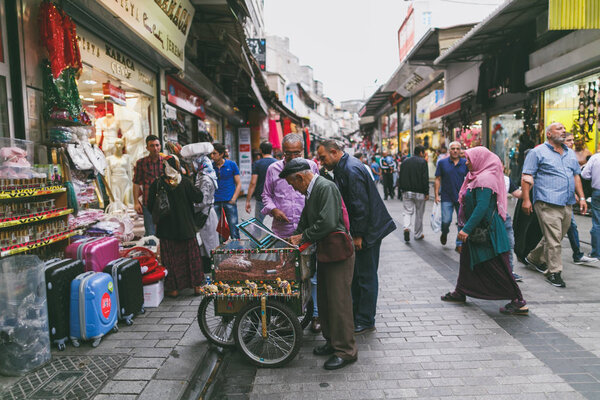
<point x="273" y="135"/>
<point x="52" y="35"/>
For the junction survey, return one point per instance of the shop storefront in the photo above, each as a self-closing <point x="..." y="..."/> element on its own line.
<point x="468" y="135"/>
<point x="504" y="133"/>
<point x="575" y="105"/>
<point x="389" y="132"/>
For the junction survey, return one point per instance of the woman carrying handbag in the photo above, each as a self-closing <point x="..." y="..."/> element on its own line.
<point x="484" y="265"/>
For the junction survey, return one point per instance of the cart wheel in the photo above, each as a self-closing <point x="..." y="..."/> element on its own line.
<point x="307" y="317"/>
<point x="75" y="343"/>
<point x="61" y="347"/>
<point x="96" y="342"/>
<point x="283" y="339"/>
<point x="218" y="330"/>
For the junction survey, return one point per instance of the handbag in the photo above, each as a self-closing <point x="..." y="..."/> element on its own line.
<point x="200" y="219"/>
<point x="481" y="234"/>
<point x="162" y="207"/>
<point x="335" y="247"/>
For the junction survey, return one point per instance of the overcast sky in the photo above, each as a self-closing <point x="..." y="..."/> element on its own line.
<point x="352" y="45"/>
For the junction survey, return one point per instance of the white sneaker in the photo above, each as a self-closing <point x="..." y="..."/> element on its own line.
<point x="586" y="260"/>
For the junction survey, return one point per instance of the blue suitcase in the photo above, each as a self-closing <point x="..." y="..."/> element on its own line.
<point x="93" y="307"/>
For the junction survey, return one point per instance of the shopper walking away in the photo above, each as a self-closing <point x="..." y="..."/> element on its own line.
<point x="257" y="183"/>
<point x="375" y="170"/>
<point x="285" y="204"/>
<point x="229" y="188"/>
<point x="514" y="191"/>
<point x="449" y="176"/>
<point x="553" y="171"/>
<point x="321" y="218"/>
<point x="387" y="174"/>
<point x="370" y="222"/>
<point x="484" y="267"/>
<point x="592" y="171"/>
<point x="179" y="249"/>
<point x="414" y="184"/>
<point x="147" y="169"/>
<point x="206" y="218"/>
<point x="573" y="234"/>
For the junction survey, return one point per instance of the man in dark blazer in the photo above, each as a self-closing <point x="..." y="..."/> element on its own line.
<point x="322" y="215"/>
<point x="370" y="222"/>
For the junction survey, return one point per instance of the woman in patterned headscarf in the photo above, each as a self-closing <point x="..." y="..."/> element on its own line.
<point x="205" y="215"/>
<point x="179" y="249"/>
<point x="484" y="267"/>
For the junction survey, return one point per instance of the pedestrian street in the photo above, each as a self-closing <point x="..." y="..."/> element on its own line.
<point x="426" y="348"/>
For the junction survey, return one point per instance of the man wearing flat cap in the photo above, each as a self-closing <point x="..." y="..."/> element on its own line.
<point x="322" y="220"/>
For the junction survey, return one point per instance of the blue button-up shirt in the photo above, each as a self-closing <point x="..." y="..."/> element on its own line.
<point x="592" y="171"/>
<point x="553" y="174"/>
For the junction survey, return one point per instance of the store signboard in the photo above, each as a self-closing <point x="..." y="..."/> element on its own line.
<point x="428" y="103"/>
<point x="182" y="97"/>
<point x="258" y="48"/>
<point x="114" y="94"/>
<point x="102" y="55"/>
<point x="245" y="153"/>
<point x="164" y="24"/>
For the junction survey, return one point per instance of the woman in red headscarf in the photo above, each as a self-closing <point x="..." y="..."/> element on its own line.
<point x="484" y="266"/>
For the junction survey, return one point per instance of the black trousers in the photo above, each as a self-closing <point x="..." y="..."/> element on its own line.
<point x="388" y="185"/>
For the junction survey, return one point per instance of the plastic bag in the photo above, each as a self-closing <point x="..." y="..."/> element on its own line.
<point x="436" y="217"/>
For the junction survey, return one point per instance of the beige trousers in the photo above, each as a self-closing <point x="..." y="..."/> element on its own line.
<point x="555" y="222"/>
<point x="414" y="204"/>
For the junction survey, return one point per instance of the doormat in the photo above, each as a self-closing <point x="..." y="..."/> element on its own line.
<point x="66" y="378"/>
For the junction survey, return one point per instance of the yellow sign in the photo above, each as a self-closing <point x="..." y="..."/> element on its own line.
<point x="164" y="24"/>
<point x="573" y="14"/>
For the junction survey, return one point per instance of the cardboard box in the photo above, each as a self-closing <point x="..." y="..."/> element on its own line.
<point x="154" y="294"/>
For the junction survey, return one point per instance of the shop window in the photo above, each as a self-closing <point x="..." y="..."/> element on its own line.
<point x="505" y="130"/>
<point x="469" y="136"/>
<point x="117" y="110"/>
<point x="575" y="105"/>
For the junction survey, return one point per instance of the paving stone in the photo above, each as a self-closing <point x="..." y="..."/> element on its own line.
<point x="123" y="387"/>
<point x="181" y="363"/>
<point x="138" y="362"/>
<point x="163" y="389"/>
<point x="135" y="374"/>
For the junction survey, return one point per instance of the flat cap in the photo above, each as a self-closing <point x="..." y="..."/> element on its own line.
<point x="295" y="165"/>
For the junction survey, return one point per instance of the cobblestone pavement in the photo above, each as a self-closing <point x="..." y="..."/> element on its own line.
<point x="425" y="348"/>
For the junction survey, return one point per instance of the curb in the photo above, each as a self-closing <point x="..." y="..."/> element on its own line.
<point x="203" y="374"/>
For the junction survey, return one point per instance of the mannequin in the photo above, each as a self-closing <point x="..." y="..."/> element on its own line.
<point x="107" y="132"/>
<point x="130" y="123"/>
<point x="119" y="174"/>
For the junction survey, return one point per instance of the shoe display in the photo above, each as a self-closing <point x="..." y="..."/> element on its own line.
<point x="555" y="279"/>
<point x="336" y="362"/>
<point x="323" y="350"/>
<point x="539" y="267"/>
<point x="585" y="260"/>
<point x="517" y="277"/>
<point x="315" y="325"/>
<point x="406" y="235"/>
<point x="358" y="329"/>
<point x="444" y="238"/>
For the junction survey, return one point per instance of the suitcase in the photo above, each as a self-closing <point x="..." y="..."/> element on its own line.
<point x="59" y="275"/>
<point x="95" y="252"/>
<point x="127" y="275"/>
<point x="93" y="309"/>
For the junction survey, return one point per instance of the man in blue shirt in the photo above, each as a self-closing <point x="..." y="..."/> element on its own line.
<point x="230" y="186"/>
<point x="257" y="183"/>
<point x="387" y="173"/>
<point x="553" y="171"/>
<point x="449" y="175"/>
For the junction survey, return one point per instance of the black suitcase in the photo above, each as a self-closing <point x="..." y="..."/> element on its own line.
<point x="127" y="275"/>
<point x="59" y="275"/>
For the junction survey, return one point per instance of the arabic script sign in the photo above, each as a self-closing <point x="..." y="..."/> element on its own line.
<point x="164" y="24"/>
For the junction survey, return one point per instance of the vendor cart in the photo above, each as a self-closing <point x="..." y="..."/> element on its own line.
<point x="260" y="296"/>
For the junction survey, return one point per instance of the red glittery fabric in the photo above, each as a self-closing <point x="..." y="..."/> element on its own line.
<point x="52" y="35"/>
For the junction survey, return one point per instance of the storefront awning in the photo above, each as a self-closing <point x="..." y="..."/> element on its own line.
<point x="492" y="32"/>
<point x="378" y="99"/>
<point x="447" y="109"/>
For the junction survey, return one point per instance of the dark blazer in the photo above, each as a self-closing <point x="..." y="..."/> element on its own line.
<point x="369" y="217"/>
<point x="414" y="175"/>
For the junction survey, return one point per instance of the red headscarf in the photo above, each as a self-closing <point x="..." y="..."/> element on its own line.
<point x="487" y="172"/>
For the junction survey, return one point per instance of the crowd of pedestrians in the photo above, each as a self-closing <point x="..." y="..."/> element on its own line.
<point x="340" y="208"/>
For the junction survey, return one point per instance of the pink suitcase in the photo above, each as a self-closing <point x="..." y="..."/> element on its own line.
<point x="95" y="253"/>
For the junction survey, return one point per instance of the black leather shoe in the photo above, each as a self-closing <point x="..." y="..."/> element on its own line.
<point x="336" y="362"/>
<point x="358" y="329"/>
<point x="323" y="350"/>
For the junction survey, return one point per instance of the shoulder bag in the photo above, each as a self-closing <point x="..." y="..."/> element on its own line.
<point x="335" y="247"/>
<point x="162" y="206"/>
<point x="481" y="233"/>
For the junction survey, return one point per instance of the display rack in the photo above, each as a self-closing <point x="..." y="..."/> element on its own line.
<point x="38" y="227"/>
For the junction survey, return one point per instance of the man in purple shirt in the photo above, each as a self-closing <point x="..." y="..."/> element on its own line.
<point x="285" y="204"/>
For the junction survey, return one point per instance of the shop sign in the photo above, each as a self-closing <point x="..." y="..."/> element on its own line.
<point x="245" y="157"/>
<point x="114" y="94"/>
<point x="182" y="97"/>
<point x="99" y="54"/>
<point x="164" y="24"/>
<point x="427" y="104"/>
<point x="258" y="48"/>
